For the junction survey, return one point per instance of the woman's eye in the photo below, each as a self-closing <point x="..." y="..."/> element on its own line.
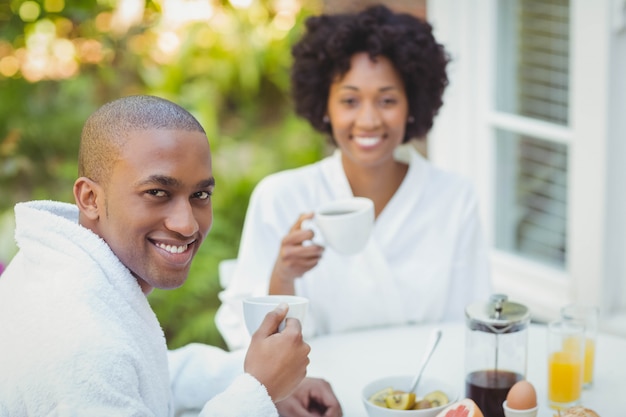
<point x="389" y="101"/>
<point x="349" y="101"/>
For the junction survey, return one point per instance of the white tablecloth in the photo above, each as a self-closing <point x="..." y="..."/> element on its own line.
<point x="351" y="360"/>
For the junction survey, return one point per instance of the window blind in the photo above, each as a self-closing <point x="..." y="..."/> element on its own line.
<point x="533" y="78"/>
<point x="543" y="59"/>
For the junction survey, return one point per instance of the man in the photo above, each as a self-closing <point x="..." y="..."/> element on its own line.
<point x="78" y="337"/>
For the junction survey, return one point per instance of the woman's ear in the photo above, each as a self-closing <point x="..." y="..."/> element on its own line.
<point x="86" y="195"/>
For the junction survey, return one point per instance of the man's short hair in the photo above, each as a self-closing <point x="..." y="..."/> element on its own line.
<point x="106" y="131"/>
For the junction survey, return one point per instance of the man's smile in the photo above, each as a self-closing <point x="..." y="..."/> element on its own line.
<point x="172" y="248"/>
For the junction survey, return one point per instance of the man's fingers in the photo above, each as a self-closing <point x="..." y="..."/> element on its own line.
<point x="272" y="321"/>
<point x="293" y="325"/>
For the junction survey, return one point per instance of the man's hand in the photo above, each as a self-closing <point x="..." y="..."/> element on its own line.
<point x="313" y="397"/>
<point x="278" y="360"/>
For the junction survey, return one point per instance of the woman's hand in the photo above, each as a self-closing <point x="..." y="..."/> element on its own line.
<point x="294" y="258"/>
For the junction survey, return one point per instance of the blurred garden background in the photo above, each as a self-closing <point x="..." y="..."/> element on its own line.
<point x="226" y="61"/>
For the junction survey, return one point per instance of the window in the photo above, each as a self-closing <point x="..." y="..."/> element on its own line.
<point x="531" y="198"/>
<point x="532" y="81"/>
<point x="533" y="115"/>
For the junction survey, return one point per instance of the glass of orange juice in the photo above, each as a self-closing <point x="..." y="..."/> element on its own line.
<point x="565" y="363"/>
<point x="588" y="315"/>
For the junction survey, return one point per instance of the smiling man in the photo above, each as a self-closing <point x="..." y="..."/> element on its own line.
<point x="77" y="335"/>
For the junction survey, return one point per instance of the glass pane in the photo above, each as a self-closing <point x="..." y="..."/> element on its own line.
<point x="533" y="59"/>
<point x="531" y="196"/>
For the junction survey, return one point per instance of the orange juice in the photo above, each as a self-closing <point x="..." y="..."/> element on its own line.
<point x="571" y="344"/>
<point x="588" y="315"/>
<point x="590" y="349"/>
<point x="564" y="376"/>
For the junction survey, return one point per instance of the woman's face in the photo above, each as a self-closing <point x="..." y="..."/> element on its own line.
<point x="368" y="110"/>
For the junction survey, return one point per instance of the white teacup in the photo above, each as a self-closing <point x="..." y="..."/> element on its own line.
<point x="256" y="308"/>
<point x="346" y="224"/>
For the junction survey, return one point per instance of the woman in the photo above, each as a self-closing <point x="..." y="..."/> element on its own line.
<point x="372" y="81"/>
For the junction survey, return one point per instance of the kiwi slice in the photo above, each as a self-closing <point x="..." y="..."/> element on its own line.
<point x="378" y="398"/>
<point x="437" y="398"/>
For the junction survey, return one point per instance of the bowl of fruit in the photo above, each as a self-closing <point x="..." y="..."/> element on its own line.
<point x="387" y="397"/>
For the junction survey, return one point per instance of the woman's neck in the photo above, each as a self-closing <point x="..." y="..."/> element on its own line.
<point x="378" y="183"/>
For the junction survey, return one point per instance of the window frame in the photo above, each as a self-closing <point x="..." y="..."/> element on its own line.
<point x="464" y="135"/>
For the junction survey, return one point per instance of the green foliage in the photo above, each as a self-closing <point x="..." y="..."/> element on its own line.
<point x="231" y="72"/>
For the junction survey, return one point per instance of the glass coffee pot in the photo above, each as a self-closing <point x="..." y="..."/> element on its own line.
<point x="496" y="345"/>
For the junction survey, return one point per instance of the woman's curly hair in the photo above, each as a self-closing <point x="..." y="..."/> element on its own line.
<point x="330" y="41"/>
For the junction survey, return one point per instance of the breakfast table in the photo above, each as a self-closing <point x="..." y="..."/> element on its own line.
<point x="351" y="360"/>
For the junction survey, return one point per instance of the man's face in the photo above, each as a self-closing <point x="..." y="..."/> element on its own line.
<point x="156" y="209"/>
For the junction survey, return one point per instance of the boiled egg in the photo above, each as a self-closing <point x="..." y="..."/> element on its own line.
<point x="522" y="396"/>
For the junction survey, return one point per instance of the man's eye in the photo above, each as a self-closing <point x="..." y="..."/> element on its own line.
<point x="157" y="193"/>
<point x="202" y="195"/>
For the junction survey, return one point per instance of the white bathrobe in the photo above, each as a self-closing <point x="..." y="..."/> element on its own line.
<point x="424" y="262"/>
<point x="78" y="337"/>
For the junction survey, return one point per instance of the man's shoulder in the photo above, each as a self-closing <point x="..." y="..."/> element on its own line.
<point x="61" y="316"/>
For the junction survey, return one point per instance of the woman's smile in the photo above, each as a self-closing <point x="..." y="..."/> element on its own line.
<point x="367" y="142"/>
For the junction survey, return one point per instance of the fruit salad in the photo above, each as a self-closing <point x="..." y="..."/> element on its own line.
<point x="402" y="400"/>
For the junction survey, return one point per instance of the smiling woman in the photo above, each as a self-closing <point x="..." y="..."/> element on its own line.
<point x="373" y="82"/>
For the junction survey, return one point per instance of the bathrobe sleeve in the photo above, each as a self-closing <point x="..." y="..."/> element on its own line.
<point x="212" y="380"/>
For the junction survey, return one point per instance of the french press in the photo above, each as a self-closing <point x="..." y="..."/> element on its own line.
<point x="496" y="345"/>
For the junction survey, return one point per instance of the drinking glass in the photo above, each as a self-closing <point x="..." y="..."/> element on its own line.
<point x="588" y="315"/>
<point x="565" y="363"/>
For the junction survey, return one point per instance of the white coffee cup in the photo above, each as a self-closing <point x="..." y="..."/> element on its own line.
<point x="256" y="308"/>
<point x="346" y="224"/>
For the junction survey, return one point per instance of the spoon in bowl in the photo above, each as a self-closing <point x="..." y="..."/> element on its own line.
<point x="432" y="344"/>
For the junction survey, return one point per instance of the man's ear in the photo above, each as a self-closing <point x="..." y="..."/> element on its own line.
<point x="87" y="194"/>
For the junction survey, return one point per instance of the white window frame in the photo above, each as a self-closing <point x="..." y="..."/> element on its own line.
<point x="463" y="140"/>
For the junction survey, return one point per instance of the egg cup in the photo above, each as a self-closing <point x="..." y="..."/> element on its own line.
<point x="510" y="412"/>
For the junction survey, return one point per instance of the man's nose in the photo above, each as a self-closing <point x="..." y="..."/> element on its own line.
<point x="182" y="219"/>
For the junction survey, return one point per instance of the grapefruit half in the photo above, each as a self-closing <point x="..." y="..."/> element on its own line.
<point x="463" y="408"/>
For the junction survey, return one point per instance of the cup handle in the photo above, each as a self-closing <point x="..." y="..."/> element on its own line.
<point x="318" y="238"/>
